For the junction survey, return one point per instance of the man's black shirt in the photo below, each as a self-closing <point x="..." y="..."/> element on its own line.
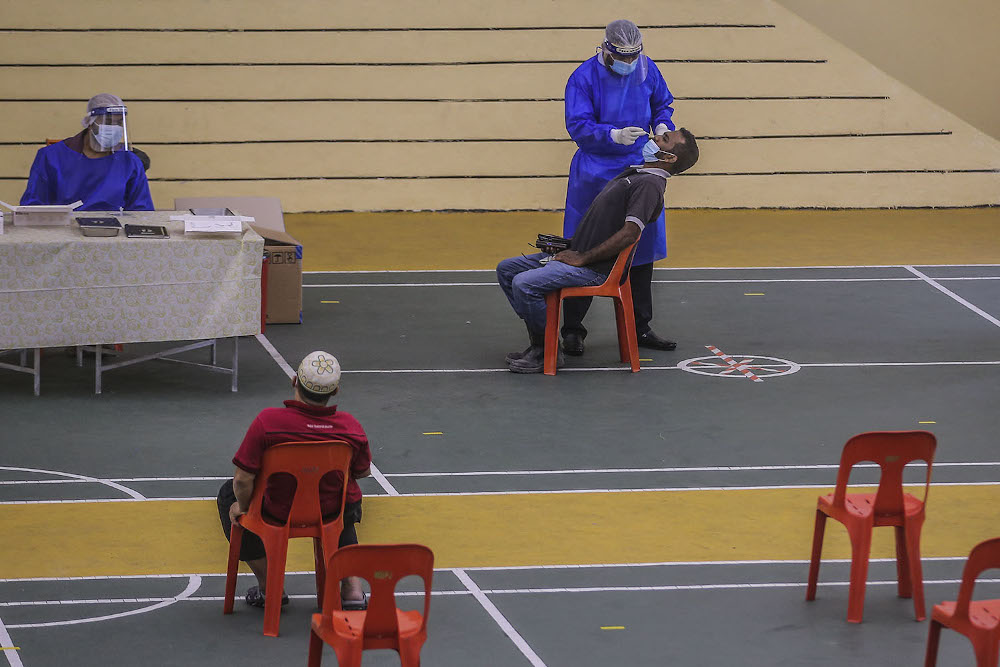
<point x="631" y="197"/>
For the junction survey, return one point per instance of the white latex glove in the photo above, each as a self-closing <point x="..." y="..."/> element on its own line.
<point x="627" y="135"/>
<point x="662" y="129"/>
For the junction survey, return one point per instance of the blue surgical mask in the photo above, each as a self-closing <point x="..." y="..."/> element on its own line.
<point x="649" y="151"/>
<point x="623" y="68"/>
<point x="108" y="136"/>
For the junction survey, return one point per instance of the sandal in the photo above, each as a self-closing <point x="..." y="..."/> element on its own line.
<point x="355" y="605"/>
<point x="256" y="599"/>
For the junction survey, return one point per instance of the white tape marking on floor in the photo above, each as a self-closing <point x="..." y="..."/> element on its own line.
<point x="194" y="582"/>
<point x="944" y="290"/>
<point x="132" y="493"/>
<point x="266" y="344"/>
<point x="11" y="654"/>
<point x="492" y="610"/>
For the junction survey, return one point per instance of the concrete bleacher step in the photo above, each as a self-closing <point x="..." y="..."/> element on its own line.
<point x="324" y="120"/>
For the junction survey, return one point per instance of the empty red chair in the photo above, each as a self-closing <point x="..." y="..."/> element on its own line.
<point x="889" y="506"/>
<point x="618" y="287"/>
<point x="383" y="625"/>
<point x="308" y="462"/>
<point x="978" y="620"/>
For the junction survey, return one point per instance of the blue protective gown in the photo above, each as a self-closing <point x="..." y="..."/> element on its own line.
<point x="598" y="100"/>
<point x="60" y="175"/>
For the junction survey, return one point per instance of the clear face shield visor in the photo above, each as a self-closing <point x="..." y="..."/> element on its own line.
<point x="625" y="61"/>
<point x="107" y="128"/>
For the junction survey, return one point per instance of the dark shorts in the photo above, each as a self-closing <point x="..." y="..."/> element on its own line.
<point x="252" y="547"/>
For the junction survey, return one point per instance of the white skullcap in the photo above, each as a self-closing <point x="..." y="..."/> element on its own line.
<point x="319" y="373"/>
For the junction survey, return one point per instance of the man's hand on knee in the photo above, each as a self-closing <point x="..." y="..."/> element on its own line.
<point x="570" y="257"/>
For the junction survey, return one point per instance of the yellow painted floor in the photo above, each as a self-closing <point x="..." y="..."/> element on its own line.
<point x="695" y="238"/>
<point x="164" y="537"/>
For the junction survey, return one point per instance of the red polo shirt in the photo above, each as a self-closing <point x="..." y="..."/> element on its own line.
<point x="298" y="422"/>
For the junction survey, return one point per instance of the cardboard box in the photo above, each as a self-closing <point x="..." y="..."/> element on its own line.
<point x="284" y="276"/>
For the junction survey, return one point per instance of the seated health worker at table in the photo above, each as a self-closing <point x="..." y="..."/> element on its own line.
<point x="95" y="166"/>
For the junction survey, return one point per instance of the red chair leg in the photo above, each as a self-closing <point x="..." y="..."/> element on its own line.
<point x="912" y="535"/>
<point x="553" y="302"/>
<point x="986" y="651"/>
<point x="933" y="637"/>
<point x="277" y="552"/>
<point x="817" y="550"/>
<point x="320" y="570"/>
<point x="904" y="585"/>
<point x="861" y="547"/>
<point x="315" y="650"/>
<point x="620" y="325"/>
<point x="235" y="540"/>
<point x="630" y="335"/>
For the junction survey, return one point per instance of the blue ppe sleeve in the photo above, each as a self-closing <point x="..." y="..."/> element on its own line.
<point x="39" y="189"/>
<point x="581" y="120"/>
<point x="137" y="197"/>
<point x="660" y="99"/>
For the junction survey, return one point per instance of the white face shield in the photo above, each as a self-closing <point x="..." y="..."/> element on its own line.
<point x="625" y="61"/>
<point x="107" y="129"/>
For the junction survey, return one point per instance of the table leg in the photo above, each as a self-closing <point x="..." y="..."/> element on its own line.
<point x="236" y="361"/>
<point x="38" y="371"/>
<point x="215" y="342"/>
<point x="79" y="356"/>
<point x="97" y="369"/>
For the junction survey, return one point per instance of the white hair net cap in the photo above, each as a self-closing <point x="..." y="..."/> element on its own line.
<point x="623" y="34"/>
<point x="100" y="101"/>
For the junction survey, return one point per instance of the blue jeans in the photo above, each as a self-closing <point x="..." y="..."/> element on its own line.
<point x="526" y="281"/>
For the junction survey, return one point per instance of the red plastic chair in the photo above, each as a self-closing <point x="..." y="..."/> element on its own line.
<point x="890" y="506"/>
<point x="618" y="287"/>
<point x="978" y="620"/>
<point x="383" y="625"/>
<point x="308" y="462"/>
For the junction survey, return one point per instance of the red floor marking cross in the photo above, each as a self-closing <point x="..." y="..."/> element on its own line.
<point x="741" y="367"/>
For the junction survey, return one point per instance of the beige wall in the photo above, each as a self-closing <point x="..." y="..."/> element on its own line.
<point x="946" y="51"/>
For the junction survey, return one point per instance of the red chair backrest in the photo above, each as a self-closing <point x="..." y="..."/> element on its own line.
<point x="308" y="462"/>
<point x="891" y="450"/>
<point x="619" y="272"/>
<point x="382" y="566"/>
<point x="984" y="556"/>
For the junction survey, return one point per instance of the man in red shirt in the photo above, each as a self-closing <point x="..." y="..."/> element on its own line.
<point x="306" y="417"/>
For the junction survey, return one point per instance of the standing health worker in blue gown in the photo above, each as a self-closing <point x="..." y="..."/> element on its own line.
<point x="95" y="166"/>
<point x="612" y="100"/>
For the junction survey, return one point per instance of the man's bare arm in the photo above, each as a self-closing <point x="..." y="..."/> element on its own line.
<point x="623" y="238"/>
<point x="243" y="487"/>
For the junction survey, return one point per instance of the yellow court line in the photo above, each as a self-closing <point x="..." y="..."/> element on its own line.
<point x="612" y="627"/>
<point x="927" y="422"/>
<point x="329" y="302"/>
<point x="433" y="433"/>
<point x="170" y="537"/>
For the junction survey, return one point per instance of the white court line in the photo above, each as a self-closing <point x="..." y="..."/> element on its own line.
<point x="11" y="654"/>
<point x="538" y="492"/>
<point x="682" y="268"/>
<point x="941" y="288"/>
<point x="280" y="360"/>
<point x="673" y="282"/>
<point x="124" y="489"/>
<point x="565" y="471"/>
<point x="850" y="364"/>
<point x="498" y="591"/>
<point x="505" y="625"/>
<point x="483" y="568"/>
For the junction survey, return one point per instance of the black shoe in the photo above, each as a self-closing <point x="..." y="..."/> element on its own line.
<point x="572" y="343"/>
<point x="654" y="342"/>
<point x="355" y="605"/>
<point x="256" y="599"/>
<point x="511" y="356"/>
<point x="533" y="361"/>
